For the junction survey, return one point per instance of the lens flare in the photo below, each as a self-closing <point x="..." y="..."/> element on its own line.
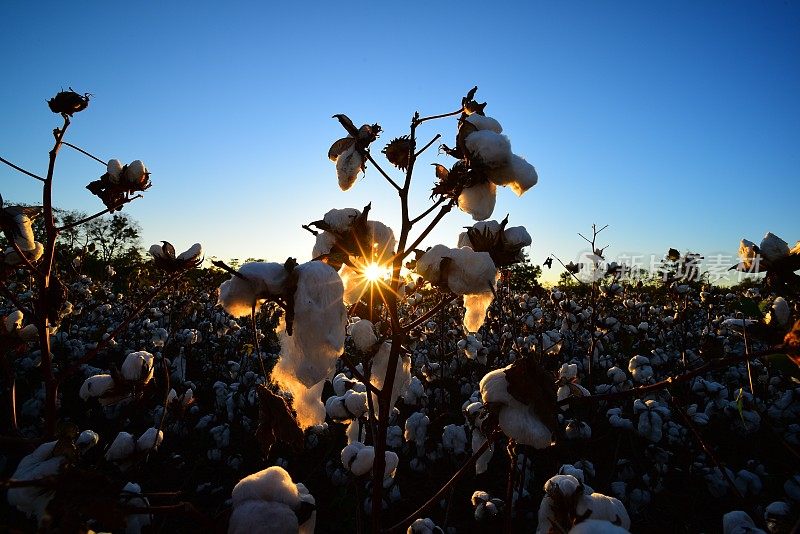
<point x="374" y="272"/>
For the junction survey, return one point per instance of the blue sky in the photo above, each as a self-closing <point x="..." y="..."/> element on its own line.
<point x="676" y="123"/>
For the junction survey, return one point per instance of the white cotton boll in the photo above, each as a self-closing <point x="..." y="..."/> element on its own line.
<point x="605" y="508"/>
<point x="340" y="220"/>
<point x="320" y="318"/>
<point x="777" y="516"/>
<point x="517" y="420"/>
<point x="307" y="402"/>
<point x="779" y="313"/>
<point x="86" y="440"/>
<point x="517" y="236"/>
<point x="353" y="432"/>
<point x="616" y="420"/>
<point x="114" y="170"/>
<point x="323" y="244"/>
<point x="25" y="240"/>
<point x="597" y="526"/>
<point x="96" y="386"/>
<point x="123" y="446"/>
<point x="422" y="526"/>
<point x="271" y="484"/>
<point x="492" y="149"/>
<point x="363" y="334"/>
<point x="524" y="175"/>
<point x="150" y="439"/>
<point x="135" y="172"/>
<point x="478" y="200"/>
<point x="355" y="285"/>
<point x="773" y="248"/>
<point x="12" y="258"/>
<point x="356" y="403"/>
<point x="33" y="500"/>
<point x="470" y="272"/>
<point x="738" y="522"/>
<point x="193" y="253"/>
<point x="747" y="253"/>
<point x="263" y="517"/>
<point x="476" y="306"/>
<point x="238" y="296"/>
<point x="748" y="484"/>
<point x="429" y="265"/>
<point x="380" y="366"/>
<point x="348" y="165"/>
<point x="568" y="371"/>
<point x="134" y="523"/>
<point x="138" y="366"/>
<point x="415" y="393"/>
<point x="416" y="428"/>
<point x="13" y="321"/>
<point x="390" y="463"/>
<point x="482" y="463"/>
<point x="482" y="122"/>
<point x="454" y="438"/>
<point x="358" y="458"/>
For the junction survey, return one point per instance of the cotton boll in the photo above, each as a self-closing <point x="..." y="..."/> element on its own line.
<point x="348" y="165"/>
<point x="238" y="296"/>
<point x="517" y="420"/>
<point x="738" y="522"/>
<point x="114" y="170"/>
<point x="271" y="484"/>
<point x="363" y="334"/>
<point x="478" y="200"/>
<point x="358" y="458"/>
<point x="307" y="402"/>
<point x="134" y="523"/>
<point x="597" y="526"/>
<point x="482" y="463"/>
<point x="429" y="265"/>
<point x="422" y="526"/>
<point x="524" y="175"/>
<point x="33" y="500"/>
<point x="517" y="236"/>
<point x="96" y="386"/>
<point x="12" y="258"/>
<point x="24" y="232"/>
<point x="123" y="446"/>
<point x="340" y="220"/>
<point x="773" y="248"/>
<point x="382" y="240"/>
<point x="605" y="508"/>
<point x="323" y="244"/>
<point x="492" y="149"/>
<point x="482" y="122"/>
<point x="150" y="439"/>
<point x="454" y="438"/>
<point x="470" y="272"/>
<point x="476" y="306"/>
<point x="86" y="440"/>
<point x="780" y="313"/>
<point x="320" y="317"/>
<point x="138" y="366"/>
<point x="193" y="253"/>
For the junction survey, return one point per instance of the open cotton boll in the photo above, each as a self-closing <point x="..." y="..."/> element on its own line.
<point x="136" y="172"/>
<point x="358" y="458"/>
<point x="597" y="526"/>
<point x="134" y="523"/>
<point x="517" y="236"/>
<point x="470" y="272"/>
<point x="12" y="258"/>
<point x="739" y="522"/>
<point x="319" y="325"/>
<point x="517" y="420"/>
<point x="150" y="439"/>
<point x="323" y="244"/>
<point x="478" y="200"/>
<point x="779" y="313"/>
<point x="482" y="122"/>
<point x="747" y="253"/>
<point x="238" y="296"/>
<point x="476" y="306"/>
<point x="482" y="463"/>
<point x="773" y="248"/>
<point x="193" y="253"/>
<point x="422" y="526"/>
<point x="138" y="366"/>
<point x="492" y="149"/>
<point x="482" y="227"/>
<point x="524" y="175"/>
<point x="265" y="502"/>
<point x="348" y="165"/>
<point x="429" y="265"/>
<point x="114" y="170"/>
<point x="454" y="438"/>
<point x="271" y="484"/>
<point x="340" y="220"/>
<point x="123" y="446"/>
<point x="402" y="375"/>
<point x="605" y="508"/>
<point x="96" y="386"/>
<point x="363" y="334"/>
<point x="382" y="239"/>
<point x="13" y="321"/>
<point x="24" y="239"/>
<point x="33" y="500"/>
<point x="307" y="402"/>
<point x="86" y="440"/>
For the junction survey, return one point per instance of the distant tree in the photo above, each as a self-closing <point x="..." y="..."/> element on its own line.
<point x="115" y="238"/>
<point x="524" y="276"/>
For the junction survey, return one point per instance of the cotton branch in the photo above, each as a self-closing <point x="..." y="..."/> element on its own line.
<point x="20" y="169"/>
<point x="85" y="153"/>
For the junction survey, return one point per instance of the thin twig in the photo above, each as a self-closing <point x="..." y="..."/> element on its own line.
<point x="427" y="146"/>
<point x="82" y="151"/>
<point x="429" y="210"/>
<point x="20" y="169"/>
<point x="380" y="170"/>
<point x="439" y="216"/>
<point x="430" y="313"/>
<point x="418" y="120"/>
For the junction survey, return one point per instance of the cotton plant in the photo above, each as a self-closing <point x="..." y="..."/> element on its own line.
<point x="566" y="502"/>
<point x="485" y="506"/>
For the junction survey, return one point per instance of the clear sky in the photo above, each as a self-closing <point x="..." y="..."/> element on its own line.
<point x="676" y="123"/>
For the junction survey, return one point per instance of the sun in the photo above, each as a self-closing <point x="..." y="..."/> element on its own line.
<point x="374" y="272"/>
